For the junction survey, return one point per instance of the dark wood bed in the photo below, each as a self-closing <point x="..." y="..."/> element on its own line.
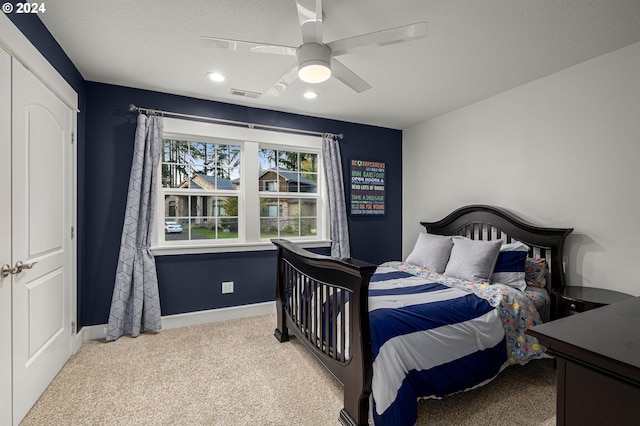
<point x="300" y="273"/>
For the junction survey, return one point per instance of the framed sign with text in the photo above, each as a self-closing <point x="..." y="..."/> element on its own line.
<point x="367" y="188"/>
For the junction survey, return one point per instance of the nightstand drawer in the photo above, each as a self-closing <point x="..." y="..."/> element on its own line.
<point x="581" y="299"/>
<point x="578" y="305"/>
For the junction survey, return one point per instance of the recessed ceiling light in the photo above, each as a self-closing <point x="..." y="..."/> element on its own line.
<point x="216" y="76"/>
<point x="310" y="94"/>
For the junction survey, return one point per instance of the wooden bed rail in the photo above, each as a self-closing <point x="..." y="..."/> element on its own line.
<point x="323" y="301"/>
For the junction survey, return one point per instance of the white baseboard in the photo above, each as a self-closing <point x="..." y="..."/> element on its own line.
<point x="95" y="332"/>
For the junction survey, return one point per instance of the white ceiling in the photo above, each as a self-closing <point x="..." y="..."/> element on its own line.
<point x="474" y="49"/>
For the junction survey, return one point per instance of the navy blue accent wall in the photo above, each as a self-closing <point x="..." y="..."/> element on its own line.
<point x="192" y="282"/>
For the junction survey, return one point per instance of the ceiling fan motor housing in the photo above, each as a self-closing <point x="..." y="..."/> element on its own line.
<point x="314" y="62"/>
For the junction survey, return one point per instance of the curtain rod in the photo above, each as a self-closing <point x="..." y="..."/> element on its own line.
<point x="132" y="107"/>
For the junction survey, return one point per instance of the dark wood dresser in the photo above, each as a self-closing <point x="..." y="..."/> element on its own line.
<point x="598" y="364"/>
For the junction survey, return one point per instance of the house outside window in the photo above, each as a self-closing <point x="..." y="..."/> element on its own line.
<point x="197" y="185"/>
<point x="294" y="176"/>
<point x="227" y="188"/>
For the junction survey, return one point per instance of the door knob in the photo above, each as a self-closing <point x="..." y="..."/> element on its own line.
<point x="7" y="270"/>
<point x="20" y="266"/>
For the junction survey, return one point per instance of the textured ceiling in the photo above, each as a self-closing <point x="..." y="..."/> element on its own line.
<point x="474" y="49"/>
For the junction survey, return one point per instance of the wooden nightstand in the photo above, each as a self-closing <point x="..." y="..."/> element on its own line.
<point x="581" y="299"/>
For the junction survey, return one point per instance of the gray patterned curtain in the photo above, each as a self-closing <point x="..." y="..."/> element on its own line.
<point x="135" y="305"/>
<point x="338" y="211"/>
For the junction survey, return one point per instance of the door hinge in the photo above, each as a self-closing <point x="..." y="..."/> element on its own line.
<point x="73" y="138"/>
<point x="73" y="327"/>
<point x="73" y="233"/>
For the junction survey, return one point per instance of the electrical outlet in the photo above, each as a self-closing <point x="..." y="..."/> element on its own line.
<point x="227" y="287"/>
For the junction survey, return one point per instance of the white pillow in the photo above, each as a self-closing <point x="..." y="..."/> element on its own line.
<point x="510" y="266"/>
<point x="431" y="252"/>
<point x="472" y="260"/>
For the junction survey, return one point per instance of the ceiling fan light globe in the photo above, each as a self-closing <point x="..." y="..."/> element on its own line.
<point x="314" y="62"/>
<point x="314" y="72"/>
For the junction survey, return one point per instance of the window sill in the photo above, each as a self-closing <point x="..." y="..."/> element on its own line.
<point x="230" y="248"/>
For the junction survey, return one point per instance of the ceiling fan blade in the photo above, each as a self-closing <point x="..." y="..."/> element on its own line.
<point x="380" y="38"/>
<point x="348" y="77"/>
<point x="247" y="46"/>
<point x="284" y="82"/>
<point x="310" y="16"/>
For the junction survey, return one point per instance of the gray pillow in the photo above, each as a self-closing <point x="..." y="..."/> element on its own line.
<point x="472" y="260"/>
<point x="431" y="252"/>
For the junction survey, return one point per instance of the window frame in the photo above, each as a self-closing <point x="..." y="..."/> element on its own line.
<point x="190" y="193"/>
<point x="287" y="194"/>
<point x="250" y="141"/>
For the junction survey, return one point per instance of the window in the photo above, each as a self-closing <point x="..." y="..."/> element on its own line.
<point x="199" y="181"/>
<point x="294" y="175"/>
<point x="225" y="187"/>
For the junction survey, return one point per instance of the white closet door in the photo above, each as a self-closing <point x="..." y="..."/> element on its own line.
<point x="42" y="217"/>
<point x="5" y="237"/>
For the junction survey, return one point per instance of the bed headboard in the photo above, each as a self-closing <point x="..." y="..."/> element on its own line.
<point x="482" y="222"/>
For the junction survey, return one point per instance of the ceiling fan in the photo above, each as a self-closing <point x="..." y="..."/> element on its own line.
<point x="316" y="60"/>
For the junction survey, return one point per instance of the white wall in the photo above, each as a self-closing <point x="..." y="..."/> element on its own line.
<point x="561" y="151"/>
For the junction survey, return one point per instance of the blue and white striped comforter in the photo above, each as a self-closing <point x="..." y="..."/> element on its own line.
<point x="428" y="340"/>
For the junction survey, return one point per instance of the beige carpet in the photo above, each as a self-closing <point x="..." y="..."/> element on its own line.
<point x="236" y="373"/>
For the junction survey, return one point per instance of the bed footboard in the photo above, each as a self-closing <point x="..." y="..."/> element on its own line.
<point x="323" y="302"/>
